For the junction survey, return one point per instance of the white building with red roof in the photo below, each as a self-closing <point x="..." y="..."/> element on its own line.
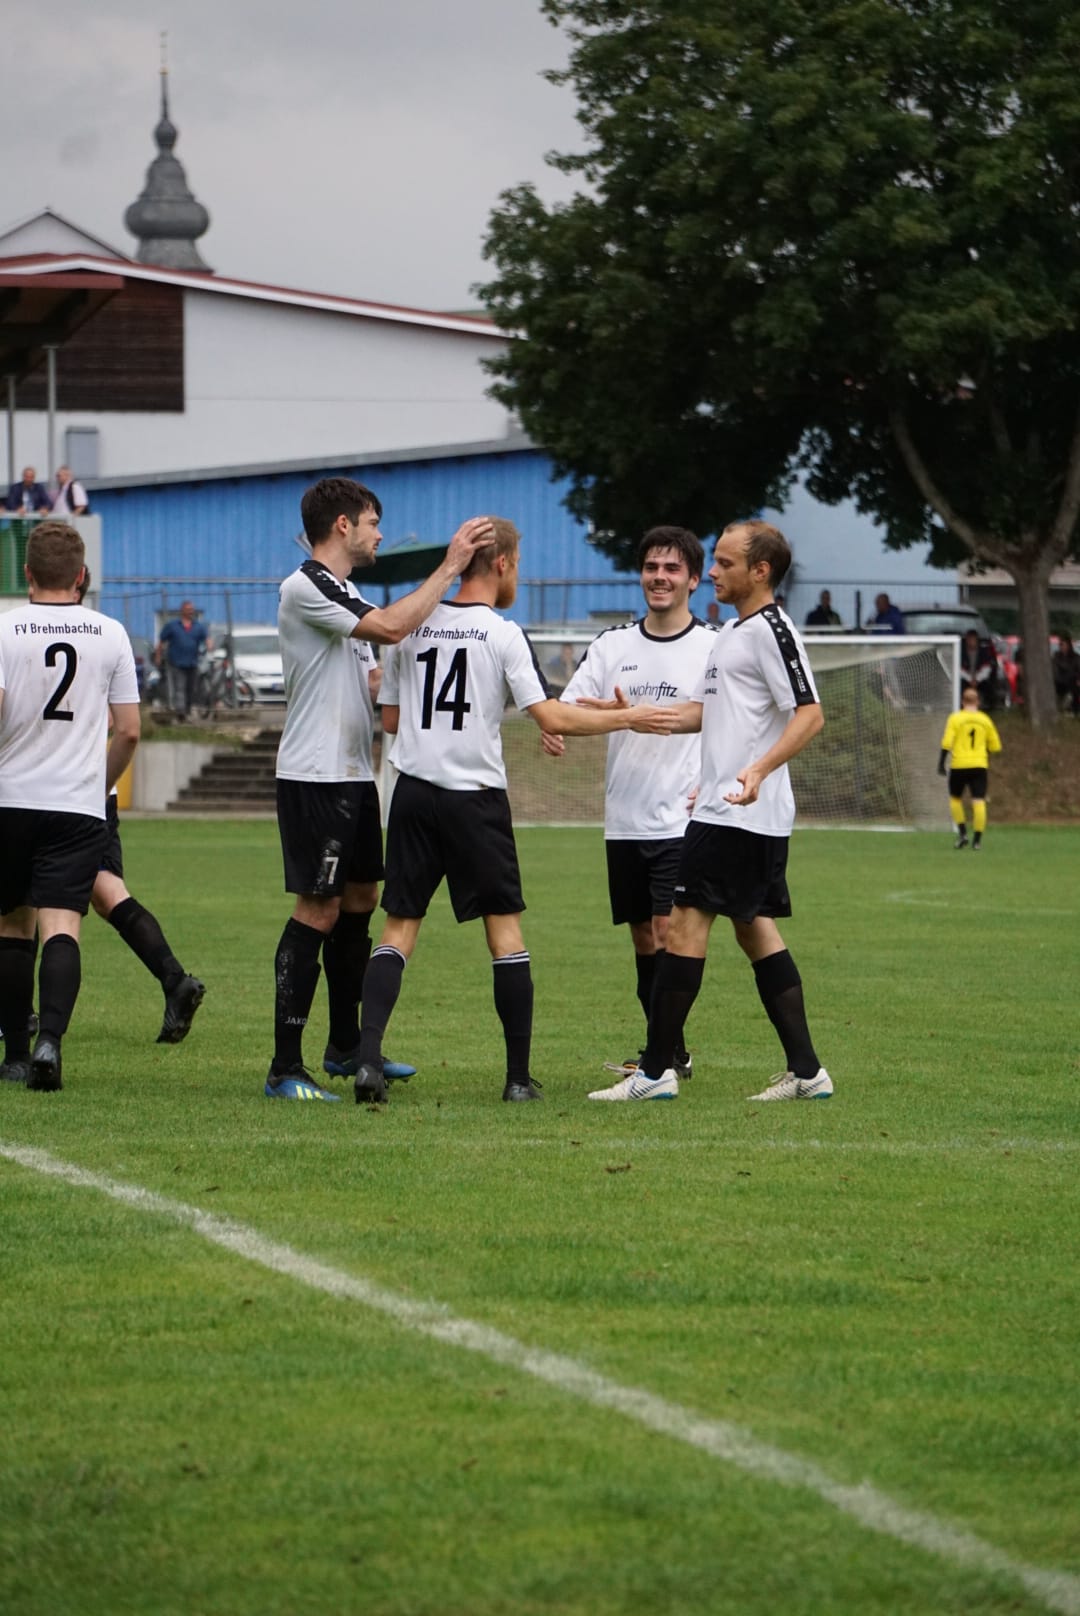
<point x="148" y="363"/>
<point x="183" y="368"/>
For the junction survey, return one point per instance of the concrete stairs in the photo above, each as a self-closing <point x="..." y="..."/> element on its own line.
<point x="236" y="780"/>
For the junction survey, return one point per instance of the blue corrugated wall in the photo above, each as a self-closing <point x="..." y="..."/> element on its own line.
<point x="164" y="541"/>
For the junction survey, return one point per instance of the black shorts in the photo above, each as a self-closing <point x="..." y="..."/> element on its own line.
<point x="112" y="854"/>
<point x="331" y="833"/>
<point x="726" y="870"/>
<point x="466" y="836"/>
<point x="641" y="879"/>
<point x="974" y="779"/>
<point x="48" y="860"/>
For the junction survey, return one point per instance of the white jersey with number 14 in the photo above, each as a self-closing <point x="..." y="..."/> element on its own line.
<point x="451" y="679"/>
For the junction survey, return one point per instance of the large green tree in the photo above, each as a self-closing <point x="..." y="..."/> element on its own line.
<point x="841" y="235"/>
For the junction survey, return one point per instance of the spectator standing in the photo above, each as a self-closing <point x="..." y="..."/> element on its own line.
<point x="888" y="616"/>
<point x="560" y="668"/>
<point x="65" y="674"/>
<point x="28" y="497"/>
<point x="822" y="615"/>
<point x="970" y="736"/>
<point x="1066" y="666"/>
<point x="182" y="643"/>
<point x="70" y="498"/>
<point x="979" y="668"/>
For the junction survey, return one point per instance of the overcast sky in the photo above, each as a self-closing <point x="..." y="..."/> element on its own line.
<point x="351" y="146"/>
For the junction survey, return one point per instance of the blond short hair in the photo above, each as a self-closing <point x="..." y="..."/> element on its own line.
<point x="764" y="543"/>
<point x="507" y="543"/>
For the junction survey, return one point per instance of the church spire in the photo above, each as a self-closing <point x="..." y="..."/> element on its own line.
<point x="166" y="219"/>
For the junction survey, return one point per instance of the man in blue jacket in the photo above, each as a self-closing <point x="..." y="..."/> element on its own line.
<point x="28" y="497"/>
<point x="183" y="640"/>
<point x="889" y="617"/>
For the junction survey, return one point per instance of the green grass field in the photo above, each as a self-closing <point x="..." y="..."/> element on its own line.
<point x="881" y="1290"/>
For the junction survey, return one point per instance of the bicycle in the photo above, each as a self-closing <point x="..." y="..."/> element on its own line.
<point x="219" y="686"/>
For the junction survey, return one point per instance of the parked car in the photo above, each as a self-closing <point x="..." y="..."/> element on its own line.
<point x="256" y="654"/>
<point x="945" y="620"/>
<point x="961" y="620"/>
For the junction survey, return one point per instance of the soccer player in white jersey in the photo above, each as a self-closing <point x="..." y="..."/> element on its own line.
<point x="756" y="707"/>
<point x="139" y="929"/>
<point x="444" y="690"/>
<point x="649" y="778"/>
<point x="65" y="673"/>
<point x="327" y="802"/>
<point x="132" y="921"/>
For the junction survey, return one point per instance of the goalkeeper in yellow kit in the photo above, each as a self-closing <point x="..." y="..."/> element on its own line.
<point x="970" y="736"/>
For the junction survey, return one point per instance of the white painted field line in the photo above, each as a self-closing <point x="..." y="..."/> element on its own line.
<point x="940" y="898"/>
<point x="1058" y="1590"/>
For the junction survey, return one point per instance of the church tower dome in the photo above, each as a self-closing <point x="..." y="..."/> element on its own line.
<point x="166" y="219"/>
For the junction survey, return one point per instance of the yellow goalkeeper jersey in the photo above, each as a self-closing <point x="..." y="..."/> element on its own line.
<point x="970" y="737"/>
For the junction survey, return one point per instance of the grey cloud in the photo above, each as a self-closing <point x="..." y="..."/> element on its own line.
<point x="339" y="146"/>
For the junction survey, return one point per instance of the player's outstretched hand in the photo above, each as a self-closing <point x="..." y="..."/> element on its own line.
<point x="604" y="704"/>
<point x="653" y="720"/>
<point x="553" y="745"/>
<point x="750" y="779"/>
<point x="475" y="534"/>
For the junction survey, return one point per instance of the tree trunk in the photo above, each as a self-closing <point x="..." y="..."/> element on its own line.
<point x="1032" y="588"/>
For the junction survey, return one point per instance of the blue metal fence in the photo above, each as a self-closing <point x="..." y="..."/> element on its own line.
<point x="236" y="536"/>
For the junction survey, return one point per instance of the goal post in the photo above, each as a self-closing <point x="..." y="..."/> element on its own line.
<point x="885" y="699"/>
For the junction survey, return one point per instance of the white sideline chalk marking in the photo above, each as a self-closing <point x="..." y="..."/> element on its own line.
<point x="875" y="1510"/>
<point x="945" y="900"/>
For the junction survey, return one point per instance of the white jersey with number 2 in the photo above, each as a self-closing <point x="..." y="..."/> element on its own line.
<point x="61" y="668"/>
<point x="451" y="679"/>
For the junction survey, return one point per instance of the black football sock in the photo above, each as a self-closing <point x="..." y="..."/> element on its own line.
<point x="59" y="976"/>
<point x="681" y="1053"/>
<point x="296" y="974"/>
<point x="16" y="993"/>
<point x="146" y="940"/>
<point x="382" y="984"/>
<point x="345" y="954"/>
<point x="513" y="987"/>
<point x="678" y="982"/>
<point x="646" y="976"/>
<point x="780" y="987"/>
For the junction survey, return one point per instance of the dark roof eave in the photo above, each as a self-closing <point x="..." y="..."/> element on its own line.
<point x="514" y="443"/>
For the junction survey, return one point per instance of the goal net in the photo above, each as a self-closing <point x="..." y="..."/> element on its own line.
<point x="885" y="699"/>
